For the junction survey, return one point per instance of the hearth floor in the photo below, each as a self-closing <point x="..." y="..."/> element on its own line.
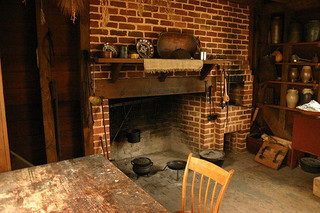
<point x="253" y="187"/>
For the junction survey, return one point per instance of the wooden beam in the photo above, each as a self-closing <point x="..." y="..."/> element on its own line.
<point x="125" y="88"/>
<point x="86" y="117"/>
<point x="44" y="69"/>
<point x="5" y="164"/>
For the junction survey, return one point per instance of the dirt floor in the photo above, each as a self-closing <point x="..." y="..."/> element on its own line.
<point x="253" y="187"/>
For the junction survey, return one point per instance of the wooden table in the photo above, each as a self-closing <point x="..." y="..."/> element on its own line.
<point x="88" y="184"/>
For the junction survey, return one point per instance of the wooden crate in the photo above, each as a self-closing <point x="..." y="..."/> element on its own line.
<point x="316" y="186"/>
<point x="254" y="143"/>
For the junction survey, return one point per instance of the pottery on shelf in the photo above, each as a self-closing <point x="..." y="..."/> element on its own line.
<point x="312" y="30"/>
<point x="276" y="29"/>
<point x="293" y="74"/>
<point x="292" y="98"/>
<point x="294" y="32"/>
<point x="306" y="96"/>
<point x="306" y="74"/>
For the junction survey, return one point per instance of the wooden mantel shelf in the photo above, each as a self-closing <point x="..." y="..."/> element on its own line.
<point x="116" y="65"/>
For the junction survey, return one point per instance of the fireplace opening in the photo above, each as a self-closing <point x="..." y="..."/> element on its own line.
<point x="161" y="120"/>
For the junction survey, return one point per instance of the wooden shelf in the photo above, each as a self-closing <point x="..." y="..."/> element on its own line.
<point x="279" y="107"/>
<point x="297" y="44"/>
<point x="141" y="60"/>
<point x="299" y="63"/>
<point x="117" y="63"/>
<point x="294" y="83"/>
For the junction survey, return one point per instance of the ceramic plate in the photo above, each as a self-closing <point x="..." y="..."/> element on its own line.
<point x="145" y="48"/>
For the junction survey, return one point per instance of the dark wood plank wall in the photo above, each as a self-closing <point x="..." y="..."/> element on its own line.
<point x="21" y="80"/>
<point x="65" y="71"/>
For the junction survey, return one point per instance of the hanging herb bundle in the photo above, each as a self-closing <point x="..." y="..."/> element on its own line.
<point x="104" y="12"/>
<point x="72" y="8"/>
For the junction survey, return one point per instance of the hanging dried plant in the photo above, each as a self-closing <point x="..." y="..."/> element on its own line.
<point x="72" y="8"/>
<point x="104" y="12"/>
<point x="24" y="2"/>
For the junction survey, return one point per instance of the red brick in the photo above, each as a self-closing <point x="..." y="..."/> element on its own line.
<point x="160" y="16"/>
<point x="118" y="18"/>
<point x="193" y="26"/>
<point x="181" y="12"/>
<point x="187" y="19"/>
<point x="144" y="28"/>
<point x="159" y="29"/>
<point x="151" y="35"/>
<point x="188" y="7"/>
<point x="166" y="23"/>
<point x="206" y="4"/>
<point x="201" y="9"/>
<point x="128" y="12"/>
<point x="193" y="14"/>
<point x="93" y="9"/>
<point x="176" y="5"/>
<point x="152" y="21"/>
<point x="126" y="26"/>
<point x="135" y="20"/>
<point x="118" y="4"/>
<point x="132" y="5"/>
<point x="150" y="8"/>
<point x="109" y="39"/>
<point x="94" y="24"/>
<point x="135" y="34"/>
<point x="210" y="22"/>
<point x="112" y="25"/>
<point x="113" y="11"/>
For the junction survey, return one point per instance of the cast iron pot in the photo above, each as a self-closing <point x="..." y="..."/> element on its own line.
<point x="141" y="166"/>
<point x="213" y="156"/>
<point x="311" y="165"/>
<point x="133" y="135"/>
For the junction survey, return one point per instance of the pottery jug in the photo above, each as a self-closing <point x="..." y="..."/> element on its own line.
<point x="293" y="74"/>
<point x="292" y="98"/>
<point x="312" y="30"/>
<point x="294" y="32"/>
<point x="306" y="96"/>
<point x="306" y="74"/>
<point x="276" y="29"/>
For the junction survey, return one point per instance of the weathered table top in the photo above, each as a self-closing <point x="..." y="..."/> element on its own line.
<point x="88" y="184"/>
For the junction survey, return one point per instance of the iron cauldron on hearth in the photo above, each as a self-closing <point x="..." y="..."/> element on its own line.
<point x="141" y="166"/>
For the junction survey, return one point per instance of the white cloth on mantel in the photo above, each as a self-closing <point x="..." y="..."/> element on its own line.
<point x="169" y="65"/>
<point x="312" y="106"/>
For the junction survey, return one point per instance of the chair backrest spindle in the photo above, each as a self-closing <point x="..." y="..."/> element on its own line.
<point x="214" y="173"/>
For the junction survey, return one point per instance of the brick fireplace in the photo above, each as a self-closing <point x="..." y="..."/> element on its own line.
<point x="223" y="30"/>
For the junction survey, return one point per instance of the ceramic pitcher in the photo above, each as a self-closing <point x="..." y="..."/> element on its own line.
<point x="306" y="96"/>
<point x="292" y="98"/>
<point x="306" y="74"/>
<point x="293" y="74"/>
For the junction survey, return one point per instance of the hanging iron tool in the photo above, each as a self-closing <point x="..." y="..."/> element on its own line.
<point x="228" y="85"/>
<point x="222" y="103"/>
<point x="211" y="116"/>
<point x="94" y="100"/>
<point x="206" y="91"/>
<point x="102" y="146"/>
<point x="104" y="128"/>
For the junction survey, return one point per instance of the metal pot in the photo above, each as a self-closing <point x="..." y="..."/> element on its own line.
<point x="133" y="135"/>
<point x="141" y="166"/>
<point x="213" y="156"/>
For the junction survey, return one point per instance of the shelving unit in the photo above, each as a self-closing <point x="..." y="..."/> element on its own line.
<point x="276" y="104"/>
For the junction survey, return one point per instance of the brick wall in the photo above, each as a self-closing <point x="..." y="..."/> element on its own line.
<point x="223" y="30"/>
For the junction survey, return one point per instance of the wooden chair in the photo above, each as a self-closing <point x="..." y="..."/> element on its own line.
<point x="214" y="173"/>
